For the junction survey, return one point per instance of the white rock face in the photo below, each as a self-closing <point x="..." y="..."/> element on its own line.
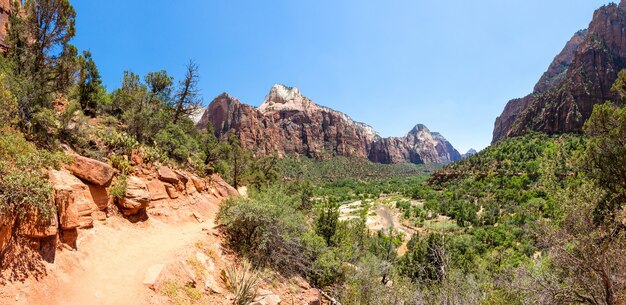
<point x="283" y="98"/>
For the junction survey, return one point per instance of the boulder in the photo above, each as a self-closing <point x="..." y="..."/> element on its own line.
<point x="210" y="285"/>
<point x="171" y="191"/>
<point x="73" y="200"/>
<point x="157" y="190"/>
<point x="94" y="171"/>
<point x="206" y="262"/>
<point x="266" y="297"/>
<point x="137" y="196"/>
<point x="167" y="175"/>
<point x="181" y="186"/>
<point x="190" y="188"/>
<point x="222" y="187"/>
<point x="100" y="196"/>
<point x="198" y="183"/>
<point x="67" y="208"/>
<point x="182" y="176"/>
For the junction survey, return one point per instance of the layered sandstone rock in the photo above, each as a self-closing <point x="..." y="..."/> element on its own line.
<point x="38" y="226"/>
<point x="157" y="190"/>
<point x="580" y="77"/>
<point x="137" y="196"/>
<point x="167" y="175"/>
<point x="73" y="200"/>
<point x="221" y="187"/>
<point x="90" y="170"/>
<point x="288" y="122"/>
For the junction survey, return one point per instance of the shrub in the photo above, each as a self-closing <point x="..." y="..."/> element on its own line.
<point x="121" y="163"/>
<point x="118" y="187"/>
<point x="177" y="143"/>
<point x="119" y="142"/>
<point x="266" y="227"/>
<point x="242" y="282"/>
<point x="24" y="188"/>
<point x="152" y="154"/>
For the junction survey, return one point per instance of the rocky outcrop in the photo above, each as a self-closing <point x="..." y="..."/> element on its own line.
<point x="90" y="170"/>
<point x="137" y="196"/>
<point x="580" y="77"/>
<point x="221" y="188"/>
<point x="418" y="146"/>
<point x="73" y="199"/>
<point x="288" y="122"/>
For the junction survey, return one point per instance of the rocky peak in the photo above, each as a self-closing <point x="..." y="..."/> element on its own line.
<point x="283" y="98"/>
<point x="469" y="153"/>
<point x="558" y="68"/>
<point x="419" y="128"/>
<point x="217" y="110"/>
<point x="580" y="77"/>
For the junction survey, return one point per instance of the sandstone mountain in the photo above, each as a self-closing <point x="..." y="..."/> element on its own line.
<point x="289" y="122"/>
<point x="578" y="78"/>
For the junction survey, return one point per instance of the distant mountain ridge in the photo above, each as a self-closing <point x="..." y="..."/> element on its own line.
<point x="469" y="153"/>
<point x="580" y="77"/>
<point x="289" y="122"/>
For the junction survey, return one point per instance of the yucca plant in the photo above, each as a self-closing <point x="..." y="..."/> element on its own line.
<point x="242" y="282"/>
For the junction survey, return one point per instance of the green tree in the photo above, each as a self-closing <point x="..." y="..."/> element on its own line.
<point x="91" y="93"/>
<point x="604" y="159"/>
<point x="40" y="57"/>
<point x="328" y="217"/>
<point x="239" y="161"/>
<point x="188" y="95"/>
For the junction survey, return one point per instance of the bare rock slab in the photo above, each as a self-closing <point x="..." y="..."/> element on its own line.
<point x="152" y="275"/>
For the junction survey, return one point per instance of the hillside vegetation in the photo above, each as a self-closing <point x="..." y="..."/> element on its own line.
<point x="532" y="220"/>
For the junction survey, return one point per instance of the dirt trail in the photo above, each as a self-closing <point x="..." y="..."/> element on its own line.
<point x="112" y="262"/>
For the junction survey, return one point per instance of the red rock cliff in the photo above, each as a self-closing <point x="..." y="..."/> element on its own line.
<point x="580" y="77"/>
<point x="288" y="122"/>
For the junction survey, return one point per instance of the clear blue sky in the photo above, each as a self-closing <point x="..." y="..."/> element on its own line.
<point x="451" y="65"/>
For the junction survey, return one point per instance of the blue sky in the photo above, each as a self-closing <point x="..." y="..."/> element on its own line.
<point x="451" y="65"/>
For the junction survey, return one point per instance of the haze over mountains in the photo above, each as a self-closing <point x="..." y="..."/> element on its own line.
<point x="289" y="122"/>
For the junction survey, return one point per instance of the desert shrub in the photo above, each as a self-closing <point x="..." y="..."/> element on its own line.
<point x="44" y="127"/>
<point x="8" y="104"/>
<point x="118" y="187"/>
<point x="267" y="227"/>
<point x="24" y="187"/>
<point x="119" y="142"/>
<point x="122" y="164"/>
<point x="152" y="154"/>
<point x="241" y="282"/>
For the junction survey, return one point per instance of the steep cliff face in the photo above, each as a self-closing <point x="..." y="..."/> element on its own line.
<point x="580" y="77"/>
<point x="550" y="79"/>
<point x="289" y="122"/>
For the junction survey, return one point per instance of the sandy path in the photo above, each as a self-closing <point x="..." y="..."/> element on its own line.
<point x="113" y="260"/>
